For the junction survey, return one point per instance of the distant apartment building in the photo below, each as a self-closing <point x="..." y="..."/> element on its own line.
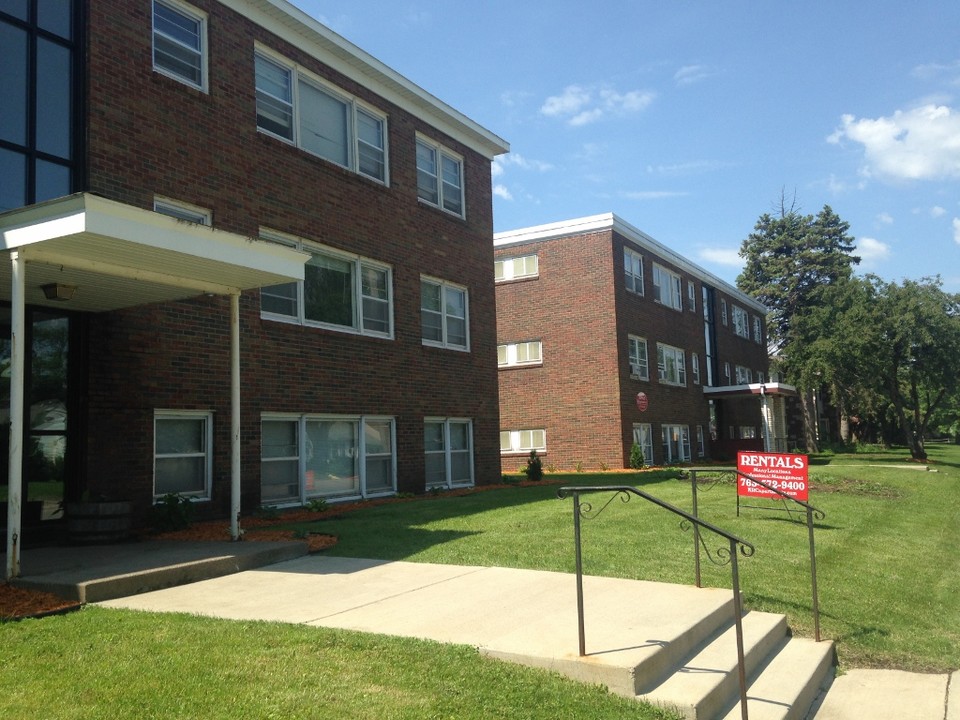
<point x="607" y="338"/>
<point x="248" y="264"/>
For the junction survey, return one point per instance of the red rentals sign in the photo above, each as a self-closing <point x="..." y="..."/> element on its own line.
<point x="784" y="471"/>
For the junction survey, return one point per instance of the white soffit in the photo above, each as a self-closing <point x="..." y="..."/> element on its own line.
<point x="120" y="256"/>
<point x="288" y="22"/>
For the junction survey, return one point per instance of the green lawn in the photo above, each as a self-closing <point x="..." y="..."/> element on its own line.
<point x="889" y="570"/>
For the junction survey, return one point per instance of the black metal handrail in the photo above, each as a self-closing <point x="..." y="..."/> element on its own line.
<point x="585" y="510"/>
<point x="811" y="513"/>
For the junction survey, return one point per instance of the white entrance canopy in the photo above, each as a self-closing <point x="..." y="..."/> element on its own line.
<point x="111" y="256"/>
<point x="772" y="408"/>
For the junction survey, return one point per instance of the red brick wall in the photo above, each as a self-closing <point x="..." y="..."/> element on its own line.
<point x="583" y="394"/>
<point x="151" y="135"/>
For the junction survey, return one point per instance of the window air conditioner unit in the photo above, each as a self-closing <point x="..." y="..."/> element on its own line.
<point x="635" y="370"/>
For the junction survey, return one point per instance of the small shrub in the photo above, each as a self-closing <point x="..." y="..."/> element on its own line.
<point x="636" y="457"/>
<point x="551" y="468"/>
<point x="510" y="480"/>
<point x="603" y="466"/>
<point x="317" y="505"/>
<point x="579" y="466"/>
<point x="534" y="469"/>
<point x="172" y="512"/>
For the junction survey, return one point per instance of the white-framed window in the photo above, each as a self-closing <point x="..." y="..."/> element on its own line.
<point x="748" y="432"/>
<point x="676" y="443"/>
<point x="671" y="366"/>
<point x="183" y="211"/>
<point x="643" y="436"/>
<point x="180" y="42"/>
<point x="757" y="332"/>
<point x="741" y="324"/>
<point x="448" y="452"/>
<point x="440" y="177"/>
<point x="517" y="268"/>
<point x="723" y="311"/>
<point x="666" y="288"/>
<point x="522" y="441"/>
<point x="695" y="367"/>
<point x="744" y="375"/>
<point x="182" y="453"/>
<point x="633" y="271"/>
<point x="691" y="296"/>
<point x="726" y="372"/>
<point x="340" y="291"/>
<point x="328" y="456"/>
<point x="701" y="442"/>
<point x="760" y="377"/>
<point x="637" y="354"/>
<point x="444" y="318"/>
<point x="296" y="106"/>
<point x="521" y="353"/>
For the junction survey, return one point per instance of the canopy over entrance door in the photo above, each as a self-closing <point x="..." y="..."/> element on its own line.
<point x="105" y="256"/>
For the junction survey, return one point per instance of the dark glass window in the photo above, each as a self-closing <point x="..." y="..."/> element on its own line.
<point x="17" y="8"/>
<point x="53" y="99"/>
<point x="54" y="16"/>
<point x="13" y="84"/>
<point x="13" y="179"/>
<point x="52" y="181"/>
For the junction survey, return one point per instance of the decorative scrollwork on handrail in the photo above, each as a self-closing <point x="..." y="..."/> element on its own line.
<point x="721" y="556"/>
<point x="585" y="509"/>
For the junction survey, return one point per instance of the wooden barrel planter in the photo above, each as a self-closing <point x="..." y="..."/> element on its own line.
<point x="102" y="522"/>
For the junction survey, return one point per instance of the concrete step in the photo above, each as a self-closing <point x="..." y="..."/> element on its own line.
<point x="786" y="686"/>
<point x="705" y="682"/>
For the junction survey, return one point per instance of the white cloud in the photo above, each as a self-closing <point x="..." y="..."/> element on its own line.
<point x="582" y="106"/>
<point x="936" y="211"/>
<point x="689" y="74"/>
<point x="956" y="230"/>
<point x="721" y="256"/>
<point x="918" y="144"/>
<point x="935" y="71"/>
<point x="885" y="218"/>
<point x="694" y="167"/>
<point x="872" y="250"/>
<point x="502" y="192"/>
<point x="502" y="162"/>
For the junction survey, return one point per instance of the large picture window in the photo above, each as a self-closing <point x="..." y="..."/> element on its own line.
<point x="182" y="459"/>
<point x="439" y="177"/>
<point x="339" y="291"/>
<point x="305" y="457"/>
<point x="443" y="314"/>
<point x="676" y="443"/>
<point x="448" y="452"/>
<point x="300" y="108"/>
<point x="179" y="42"/>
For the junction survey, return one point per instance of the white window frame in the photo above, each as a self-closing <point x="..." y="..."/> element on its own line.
<point x="206" y="417"/>
<point x="681" y="442"/>
<point x="748" y="432"/>
<point x="671" y="358"/>
<point x="726" y="371"/>
<point x="643" y="436"/>
<point x="359" y="453"/>
<point x="451" y="202"/>
<point x="445" y="341"/>
<point x="633" y="271"/>
<point x="701" y="442"/>
<point x="744" y="375"/>
<point x="520" y="354"/>
<point x="741" y="322"/>
<point x="691" y="296"/>
<point x="638" y="357"/>
<point x="667" y="288"/>
<point x="521" y="442"/>
<point x="358" y="265"/>
<point x="183" y="211"/>
<point x="190" y="13"/>
<point x="723" y="311"/>
<point x="757" y="330"/>
<point x="695" y="367"/>
<point x="353" y="107"/>
<point x="524" y="267"/>
<point x="447" y="451"/>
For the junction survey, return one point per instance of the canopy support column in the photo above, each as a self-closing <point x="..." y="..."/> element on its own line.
<point x="235" y="415"/>
<point x="17" y="375"/>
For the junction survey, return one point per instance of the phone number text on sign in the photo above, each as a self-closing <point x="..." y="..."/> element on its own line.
<point x="785" y="472"/>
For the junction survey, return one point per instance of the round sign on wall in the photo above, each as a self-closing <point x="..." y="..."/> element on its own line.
<point x="642" y="402"/>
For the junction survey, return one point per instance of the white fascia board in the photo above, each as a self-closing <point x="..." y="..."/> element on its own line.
<point x="609" y="221"/>
<point x="288" y="22"/>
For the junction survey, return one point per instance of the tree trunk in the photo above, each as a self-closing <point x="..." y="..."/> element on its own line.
<point x="808" y="406"/>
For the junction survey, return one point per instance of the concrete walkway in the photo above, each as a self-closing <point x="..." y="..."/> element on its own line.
<point x="523" y="616"/>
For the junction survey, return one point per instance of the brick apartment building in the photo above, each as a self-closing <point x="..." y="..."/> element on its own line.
<point x="607" y="337"/>
<point x="248" y="263"/>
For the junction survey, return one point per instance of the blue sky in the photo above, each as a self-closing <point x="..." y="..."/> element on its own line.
<point x="689" y="119"/>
